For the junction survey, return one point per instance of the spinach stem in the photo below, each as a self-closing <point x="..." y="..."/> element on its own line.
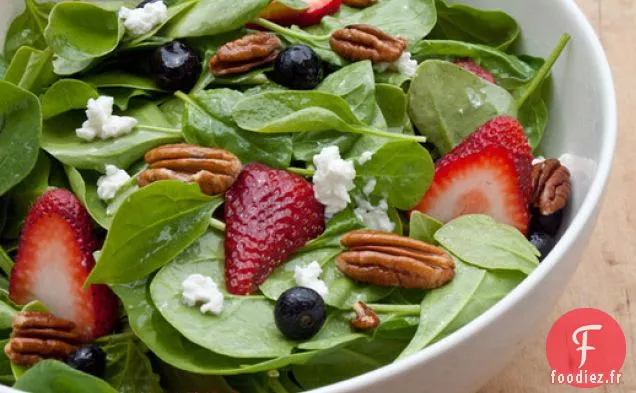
<point x="543" y="71"/>
<point x="115" y="338"/>
<point x="401" y="309"/>
<point x="276" y="386"/>
<point x="298" y="34"/>
<point x="185" y="98"/>
<point x="301" y="171"/>
<point x="217" y="224"/>
<point x="167" y="130"/>
<point x="386" y="134"/>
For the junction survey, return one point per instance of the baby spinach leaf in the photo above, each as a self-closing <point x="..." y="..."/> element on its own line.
<point x="52" y="376"/>
<point x="412" y="19"/>
<point x="207" y="121"/>
<point x="6" y="376"/>
<point x="121" y="79"/>
<point x="402" y="171"/>
<point x="461" y="22"/>
<point x="172" y="110"/>
<point x="122" y="95"/>
<point x="338" y="225"/>
<point x="248" y="320"/>
<point x="308" y="144"/>
<point x="6" y="263"/>
<point x="27" y="29"/>
<point x="30" y="69"/>
<point x="359" y="357"/>
<point x="208" y="18"/>
<point x="81" y="31"/>
<point x="20" y="130"/>
<point x="510" y="71"/>
<point x="423" y="227"/>
<point x="84" y="186"/>
<point x="65" y="95"/>
<point x="480" y="241"/>
<point x="150" y="228"/>
<point x="468" y="295"/>
<point x="392" y="103"/>
<point x="447" y="103"/>
<point x="392" y="78"/>
<point x="302" y="111"/>
<point x="335" y="332"/>
<point x="59" y="139"/>
<point x="128" y="369"/>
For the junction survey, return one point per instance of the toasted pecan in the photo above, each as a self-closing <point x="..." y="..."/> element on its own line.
<point x="552" y="186"/>
<point x="366" y="42"/>
<point x="245" y="54"/>
<point x="365" y="318"/>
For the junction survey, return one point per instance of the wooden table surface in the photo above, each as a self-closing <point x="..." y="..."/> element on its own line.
<point x="606" y="278"/>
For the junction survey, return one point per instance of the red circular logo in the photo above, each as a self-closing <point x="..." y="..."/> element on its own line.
<point x="586" y="348"/>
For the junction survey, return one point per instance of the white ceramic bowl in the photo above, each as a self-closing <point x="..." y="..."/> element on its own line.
<point x="583" y="125"/>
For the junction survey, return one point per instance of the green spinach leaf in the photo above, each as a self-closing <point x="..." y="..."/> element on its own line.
<point x="402" y="172"/>
<point x="128" y="369"/>
<point x="30" y="69"/>
<point x="461" y="22"/>
<point x="52" y="376"/>
<point x="208" y="121"/>
<point x="6" y="263"/>
<point x="20" y="130"/>
<point x="6" y="375"/>
<point x="447" y="103"/>
<point x="150" y="228"/>
<point x="480" y="241"/>
<point x="27" y="29"/>
<point x="65" y="95"/>
<point x="121" y="79"/>
<point x="209" y="18"/>
<point x="122" y="96"/>
<point x="423" y="227"/>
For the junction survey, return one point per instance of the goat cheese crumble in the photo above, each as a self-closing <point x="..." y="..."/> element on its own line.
<point x="370" y="186"/>
<point x="308" y="276"/>
<point x="102" y="123"/>
<point x="333" y="180"/>
<point x="374" y="217"/>
<point x="198" y="288"/>
<point x="111" y="182"/>
<point x="405" y="65"/>
<point x="365" y="157"/>
<point x="140" y="21"/>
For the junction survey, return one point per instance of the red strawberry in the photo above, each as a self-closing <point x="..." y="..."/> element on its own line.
<point x="490" y="172"/>
<point x="285" y="16"/>
<point x="269" y="214"/>
<point x="55" y="255"/>
<point x="470" y="65"/>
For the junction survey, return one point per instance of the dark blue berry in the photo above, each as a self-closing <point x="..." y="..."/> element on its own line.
<point x="543" y="242"/>
<point x="90" y="359"/>
<point x="298" y="67"/>
<point x="547" y="224"/>
<point x="175" y="67"/>
<point x="299" y="313"/>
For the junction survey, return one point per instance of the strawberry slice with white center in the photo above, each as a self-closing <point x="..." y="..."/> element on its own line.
<point x="279" y="13"/>
<point x="489" y="173"/>
<point x="55" y="255"/>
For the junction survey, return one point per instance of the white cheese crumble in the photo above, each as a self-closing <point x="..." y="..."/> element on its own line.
<point x="111" y="182"/>
<point x="374" y="217"/>
<point x="102" y="123"/>
<point x="405" y="65"/>
<point x="332" y="180"/>
<point x="307" y="276"/>
<point x="140" y="21"/>
<point x="365" y="157"/>
<point x="198" y="288"/>
<point x="370" y="186"/>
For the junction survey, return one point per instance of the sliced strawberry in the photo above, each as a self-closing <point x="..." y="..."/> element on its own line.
<point x="285" y="16"/>
<point x="504" y="131"/>
<point x="471" y="65"/>
<point x="55" y="255"/>
<point x="483" y="182"/>
<point x="269" y="214"/>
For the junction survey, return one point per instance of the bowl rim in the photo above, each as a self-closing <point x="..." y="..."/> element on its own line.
<point x="579" y="221"/>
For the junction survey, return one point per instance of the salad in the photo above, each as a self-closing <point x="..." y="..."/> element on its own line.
<point x="261" y="196"/>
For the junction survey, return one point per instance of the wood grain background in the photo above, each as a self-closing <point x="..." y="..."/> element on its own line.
<point x="606" y="278"/>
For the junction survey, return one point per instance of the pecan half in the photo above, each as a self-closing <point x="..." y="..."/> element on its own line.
<point x="245" y="54"/>
<point x="551" y="185"/>
<point x="40" y="335"/>
<point x="389" y="260"/>
<point x="366" y="42"/>
<point x="359" y="3"/>
<point x="214" y="170"/>
<point x="365" y="318"/>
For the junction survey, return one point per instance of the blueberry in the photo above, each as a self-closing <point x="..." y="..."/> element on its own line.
<point x="143" y="3"/>
<point x="175" y="67"/>
<point x="90" y="359"/>
<point x="298" y="67"/>
<point x="543" y="242"/>
<point x="546" y="224"/>
<point x="299" y="313"/>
